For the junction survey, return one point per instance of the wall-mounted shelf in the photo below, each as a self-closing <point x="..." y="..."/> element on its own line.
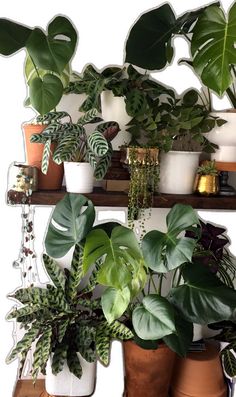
<point x="104" y="198"/>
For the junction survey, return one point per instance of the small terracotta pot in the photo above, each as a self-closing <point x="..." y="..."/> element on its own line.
<point x="34" y="153"/>
<point x="200" y="374"/>
<point x="147" y="372"/>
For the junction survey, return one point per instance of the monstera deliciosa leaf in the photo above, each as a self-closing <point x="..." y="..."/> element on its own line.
<point x="213" y="47"/>
<point x="69" y="224"/>
<point x="166" y="251"/>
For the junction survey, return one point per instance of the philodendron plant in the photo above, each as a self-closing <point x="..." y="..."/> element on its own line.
<point x="62" y="317"/>
<point x="48" y="56"/>
<point x="73" y="143"/>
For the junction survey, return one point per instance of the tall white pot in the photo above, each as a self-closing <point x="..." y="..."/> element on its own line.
<point x="78" y="177"/>
<point x="225" y="138"/>
<point x="177" y="172"/>
<point x="113" y="109"/>
<point x="67" y="384"/>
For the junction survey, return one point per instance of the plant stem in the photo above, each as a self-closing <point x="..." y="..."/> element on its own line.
<point x="35" y="67"/>
<point x="153" y="284"/>
<point x="231" y="97"/>
<point x="160" y="284"/>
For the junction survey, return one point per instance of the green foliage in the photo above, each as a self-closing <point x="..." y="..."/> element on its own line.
<point x="72" y="142"/>
<point x="47" y="57"/>
<point x="207" y="168"/>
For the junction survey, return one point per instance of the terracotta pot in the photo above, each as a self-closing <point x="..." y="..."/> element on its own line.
<point x="147" y="372"/>
<point x="34" y="153"/>
<point x="200" y="374"/>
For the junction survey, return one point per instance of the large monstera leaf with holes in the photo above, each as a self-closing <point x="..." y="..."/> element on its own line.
<point x="166" y="251"/>
<point x="213" y="47"/>
<point x="69" y="224"/>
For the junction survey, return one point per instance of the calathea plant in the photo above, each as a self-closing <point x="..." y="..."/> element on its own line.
<point x="73" y="143"/>
<point x="48" y="56"/>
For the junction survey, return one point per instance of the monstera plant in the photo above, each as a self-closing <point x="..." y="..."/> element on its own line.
<point x="48" y="56"/>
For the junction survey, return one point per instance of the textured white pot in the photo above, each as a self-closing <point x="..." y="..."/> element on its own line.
<point x="177" y="172"/>
<point x="225" y="138"/>
<point x="78" y="177"/>
<point x="67" y="384"/>
<point x="113" y="109"/>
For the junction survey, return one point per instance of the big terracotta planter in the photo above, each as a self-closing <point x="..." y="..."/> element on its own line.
<point x="200" y="374"/>
<point x="34" y="152"/>
<point x="147" y="372"/>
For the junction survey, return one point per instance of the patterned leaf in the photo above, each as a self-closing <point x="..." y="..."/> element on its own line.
<point x="66" y="149"/>
<point x="46" y="157"/>
<point x="136" y="103"/>
<point x="76" y="273"/>
<point x="38" y="138"/>
<point x="90" y="304"/>
<point x="54" y="271"/>
<point x="59" y="358"/>
<point x="24" y="344"/>
<point x="74" y="363"/>
<point x="88" y="117"/>
<point x="42" y="352"/>
<point x="44" y="297"/>
<point x="62" y="328"/>
<point x="98" y="143"/>
<point x="52" y="116"/>
<point x="85" y="336"/>
<point x="53" y="131"/>
<point x="118" y="330"/>
<point x="93" y="278"/>
<point x="23" y="311"/>
<point x="103" y="345"/>
<point x="109" y="129"/>
<point x="23" y="356"/>
<point x="229" y="362"/>
<point x="103" y="164"/>
<point x="91" y="158"/>
<point x="88" y="354"/>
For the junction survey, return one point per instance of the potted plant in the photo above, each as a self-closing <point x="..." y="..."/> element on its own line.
<point x="207" y="179"/>
<point x="63" y="317"/>
<point x="83" y="156"/>
<point x="156" y="316"/>
<point x="204" y="29"/>
<point x="47" y="73"/>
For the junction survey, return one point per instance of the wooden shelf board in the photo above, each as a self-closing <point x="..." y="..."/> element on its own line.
<point x="104" y="198"/>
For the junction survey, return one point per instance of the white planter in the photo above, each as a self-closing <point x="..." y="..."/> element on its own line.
<point x="177" y="172"/>
<point x="67" y="384"/>
<point x="113" y="109"/>
<point x="78" y="177"/>
<point x="225" y="138"/>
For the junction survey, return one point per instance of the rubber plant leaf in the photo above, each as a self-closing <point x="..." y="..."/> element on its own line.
<point x="53" y="51"/>
<point x="45" y="93"/>
<point x="203" y="298"/>
<point x="166" y="251"/>
<point x="13" y="36"/>
<point x="149" y="43"/>
<point x="119" y="252"/>
<point x="154" y="318"/>
<point x="69" y="224"/>
<point x="213" y="48"/>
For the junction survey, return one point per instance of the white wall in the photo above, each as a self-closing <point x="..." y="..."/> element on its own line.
<point x="102" y="26"/>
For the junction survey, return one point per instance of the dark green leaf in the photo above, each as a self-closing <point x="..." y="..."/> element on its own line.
<point x="13" y="36"/>
<point x="45" y="93"/>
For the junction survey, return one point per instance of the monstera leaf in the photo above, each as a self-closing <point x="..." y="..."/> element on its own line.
<point x="69" y="224"/>
<point x="166" y="251"/>
<point x="213" y="47"/>
<point x="45" y="93"/>
<point x="203" y="298"/>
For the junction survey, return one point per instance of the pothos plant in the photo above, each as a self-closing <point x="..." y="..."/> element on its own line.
<point x="73" y="143"/>
<point x="62" y="317"/>
<point x="134" y="281"/>
<point x="48" y="57"/>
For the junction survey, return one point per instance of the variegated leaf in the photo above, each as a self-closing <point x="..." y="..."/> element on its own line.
<point x="85" y="336"/>
<point x="38" y="138"/>
<point x="88" y="117"/>
<point x="66" y="149"/>
<point x="23" y="356"/>
<point x="44" y="297"/>
<point x="42" y="352"/>
<point x="98" y="143"/>
<point x="90" y="304"/>
<point x="59" y="358"/>
<point x="88" y="354"/>
<point x="93" y="278"/>
<point x="46" y="156"/>
<point x="74" y="363"/>
<point x="103" y="345"/>
<point x="91" y="158"/>
<point x="24" y="344"/>
<point x="103" y="164"/>
<point x="23" y="311"/>
<point x="229" y="362"/>
<point x="136" y="103"/>
<point x="62" y="328"/>
<point x="54" y="271"/>
<point x="109" y="129"/>
<point x="52" y="116"/>
<point x="118" y="330"/>
<point x="76" y="273"/>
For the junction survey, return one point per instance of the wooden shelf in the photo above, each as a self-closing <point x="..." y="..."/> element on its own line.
<point x="104" y="198"/>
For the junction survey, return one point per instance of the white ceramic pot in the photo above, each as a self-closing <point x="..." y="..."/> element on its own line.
<point x="67" y="384"/>
<point x="113" y="109"/>
<point x="225" y="138"/>
<point x="177" y="172"/>
<point x="78" y="177"/>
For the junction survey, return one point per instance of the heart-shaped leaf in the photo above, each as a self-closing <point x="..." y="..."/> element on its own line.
<point x="115" y="302"/>
<point x="154" y="318"/>
<point x="45" y="93"/>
